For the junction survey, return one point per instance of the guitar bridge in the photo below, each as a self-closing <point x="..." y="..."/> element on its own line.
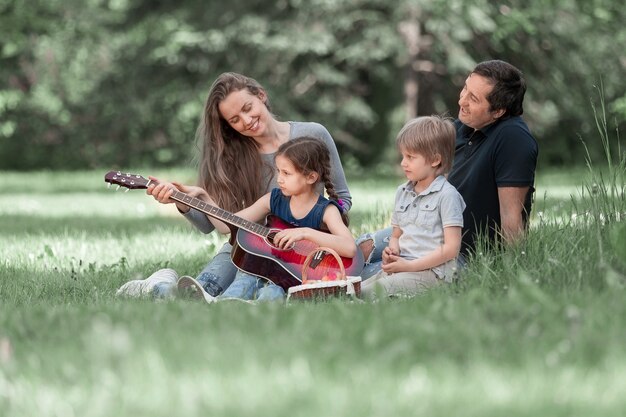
<point x="317" y="258"/>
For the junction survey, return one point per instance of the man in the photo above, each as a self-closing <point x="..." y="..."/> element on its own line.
<point x="495" y="155"/>
<point x="494" y="162"/>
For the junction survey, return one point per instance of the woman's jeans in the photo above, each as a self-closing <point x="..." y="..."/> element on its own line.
<point x="250" y="287"/>
<point x="380" y="240"/>
<point x="222" y="278"/>
<point x="219" y="273"/>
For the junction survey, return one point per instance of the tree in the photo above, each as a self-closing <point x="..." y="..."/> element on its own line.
<point x="120" y="83"/>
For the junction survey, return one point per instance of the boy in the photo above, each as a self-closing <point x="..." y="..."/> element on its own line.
<point x="428" y="214"/>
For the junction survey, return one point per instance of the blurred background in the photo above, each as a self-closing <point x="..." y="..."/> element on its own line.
<point x="122" y="83"/>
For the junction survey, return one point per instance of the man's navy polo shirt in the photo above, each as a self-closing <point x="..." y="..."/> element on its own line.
<point x="502" y="154"/>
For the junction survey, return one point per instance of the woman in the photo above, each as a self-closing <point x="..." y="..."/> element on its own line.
<point x="238" y="137"/>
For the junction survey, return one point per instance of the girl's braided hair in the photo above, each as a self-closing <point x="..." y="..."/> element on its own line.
<point x="308" y="155"/>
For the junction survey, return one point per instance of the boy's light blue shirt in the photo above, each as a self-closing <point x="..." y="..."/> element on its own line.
<point x="422" y="218"/>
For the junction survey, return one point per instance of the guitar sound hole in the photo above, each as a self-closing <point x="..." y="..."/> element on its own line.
<point x="270" y="240"/>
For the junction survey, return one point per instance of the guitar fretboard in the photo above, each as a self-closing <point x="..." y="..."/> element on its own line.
<point x="221" y="214"/>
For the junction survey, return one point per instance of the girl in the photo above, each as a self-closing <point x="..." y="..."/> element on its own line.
<point x="301" y="164"/>
<point x="238" y="138"/>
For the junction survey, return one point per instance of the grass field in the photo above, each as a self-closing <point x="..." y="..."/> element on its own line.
<point x="537" y="331"/>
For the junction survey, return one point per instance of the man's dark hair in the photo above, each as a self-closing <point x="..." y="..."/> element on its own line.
<point x="509" y="86"/>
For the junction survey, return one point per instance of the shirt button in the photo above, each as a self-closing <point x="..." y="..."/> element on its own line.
<point x="414" y="205"/>
<point x="401" y="207"/>
<point x="426" y="205"/>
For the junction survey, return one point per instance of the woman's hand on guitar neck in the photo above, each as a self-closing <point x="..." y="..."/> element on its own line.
<point x="162" y="191"/>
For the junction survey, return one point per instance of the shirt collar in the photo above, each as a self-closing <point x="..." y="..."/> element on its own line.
<point x="467" y="131"/>
<point x="436" y="185"/>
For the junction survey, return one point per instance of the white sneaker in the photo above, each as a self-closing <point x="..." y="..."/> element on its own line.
<point x="131" y="289"/>
<point x="163" y="278"/>
<point x="192" y="288"/>
<point x="138" y="288"/>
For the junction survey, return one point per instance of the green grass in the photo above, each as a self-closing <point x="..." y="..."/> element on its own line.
<point x="537" y="330"/>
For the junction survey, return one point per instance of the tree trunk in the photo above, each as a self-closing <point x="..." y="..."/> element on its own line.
<point x="410" y="32"/>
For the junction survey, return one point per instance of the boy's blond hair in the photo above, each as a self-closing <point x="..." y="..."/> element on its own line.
<point x="429" y="136"/>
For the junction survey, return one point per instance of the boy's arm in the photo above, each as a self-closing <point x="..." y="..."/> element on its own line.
<point x="447" y="251"/>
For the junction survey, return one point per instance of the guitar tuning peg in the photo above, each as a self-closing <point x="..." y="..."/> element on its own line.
<point x="127" y="190"/>
<point x="118" y="187"/>
<point x="108" y="185"/>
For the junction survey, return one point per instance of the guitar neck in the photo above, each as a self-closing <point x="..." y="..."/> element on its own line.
<point x="220" y="214"/>
<point x="133" y="182"/>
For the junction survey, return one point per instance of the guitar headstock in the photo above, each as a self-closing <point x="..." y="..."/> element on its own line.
<point x="131" y="181"/>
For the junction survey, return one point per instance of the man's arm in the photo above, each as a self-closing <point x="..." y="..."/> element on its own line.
<point x="511" y="208"/>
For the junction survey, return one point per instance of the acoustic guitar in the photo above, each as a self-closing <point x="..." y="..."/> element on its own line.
<point x="254" y="250"/>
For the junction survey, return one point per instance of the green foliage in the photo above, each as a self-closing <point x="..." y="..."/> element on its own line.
<point x="122" y="83"/>
<point x="618" y="245"/>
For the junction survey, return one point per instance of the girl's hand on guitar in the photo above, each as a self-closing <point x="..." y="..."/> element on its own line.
<point x="286" y="238"/>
